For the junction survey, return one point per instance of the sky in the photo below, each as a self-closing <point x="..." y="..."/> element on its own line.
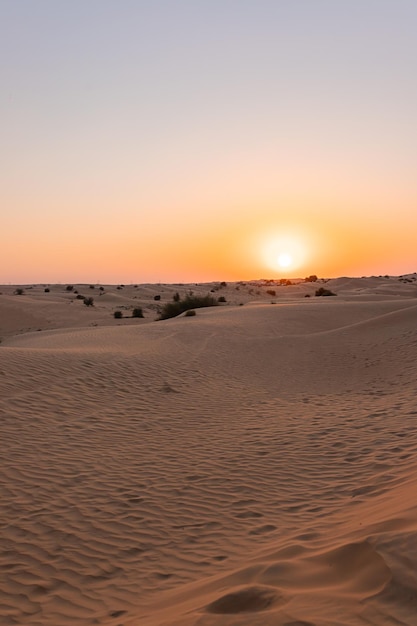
<point x="198" y="140"/>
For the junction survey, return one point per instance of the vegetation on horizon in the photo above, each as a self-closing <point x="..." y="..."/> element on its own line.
<point x="324" y="292"/>
<point x="176" y="307"/>
<point x="137" y="312"/>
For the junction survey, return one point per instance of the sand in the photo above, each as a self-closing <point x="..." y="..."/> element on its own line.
<point x="253" y="465"/>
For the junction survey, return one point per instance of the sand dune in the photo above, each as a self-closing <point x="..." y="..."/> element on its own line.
<point x="252" y="465"/>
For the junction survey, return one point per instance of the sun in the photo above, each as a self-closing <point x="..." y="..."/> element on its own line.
<point x="283" y="251"/>
<point x="284" y="260"/>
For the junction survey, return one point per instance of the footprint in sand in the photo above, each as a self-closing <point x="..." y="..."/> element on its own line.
<point x="247" y="600"/>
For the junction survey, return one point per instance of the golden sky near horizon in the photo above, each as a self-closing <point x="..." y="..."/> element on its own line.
<point x="182" y="142"/>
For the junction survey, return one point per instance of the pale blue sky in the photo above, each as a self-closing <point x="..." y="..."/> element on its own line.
<point x="127" y="123"/>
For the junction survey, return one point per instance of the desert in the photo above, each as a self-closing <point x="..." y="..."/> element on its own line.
<point x="208" y="307"/>
<point x="253" y="464"/>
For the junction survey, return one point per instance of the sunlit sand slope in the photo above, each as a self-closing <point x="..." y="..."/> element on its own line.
<point x="254" y="465"/>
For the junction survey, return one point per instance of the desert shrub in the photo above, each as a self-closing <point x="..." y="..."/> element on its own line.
<point x="307" y="295"/>
<point x="79" y="297"/>
<point x="47" y="290"/>
<point x="221" y="299"/>
<point x="19" y="291"/>
<point x="311" y="279"/>
<point x="176" y="297"/>
<point x="172" y="309"/>
<point x="119" y="287"/>
<point x="157" y="297"/>
<point x="271" y="292"/>
<point x="89" y="301"/>
<point x="92" y="286"/>
<point x="101" y="288"/>
<point x="117" y="315"/>
<point x="223" y="283"/>
<point x="137" y="312"/>
<point x="69" y="287"/>
<point x="324" y="292"/>
<point x="190" y="313"/>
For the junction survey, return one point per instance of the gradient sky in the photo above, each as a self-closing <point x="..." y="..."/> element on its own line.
<point x="197" y="140"/>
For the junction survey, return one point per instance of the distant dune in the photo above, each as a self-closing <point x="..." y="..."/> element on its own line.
<point x="253" y="465"/>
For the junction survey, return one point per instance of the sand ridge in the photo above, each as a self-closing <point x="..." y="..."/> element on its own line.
<point x="251" y="465"/>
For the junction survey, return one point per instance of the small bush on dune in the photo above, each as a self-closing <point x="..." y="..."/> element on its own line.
<point x="172" y="309"/>
<point x="118" y="315"/>
<point x="137" y="312"/>
<point x="221" y="299"/>
<point x="89" y="301"/>
<point x="324" y="292"/>
<point x="69" y="287"/>
<point x="271" y="292"/>
<point x="79" y="297"/>
<point x="19" y="291"/>
<point x="190" y="313"/>
<point x="47" y="290"/>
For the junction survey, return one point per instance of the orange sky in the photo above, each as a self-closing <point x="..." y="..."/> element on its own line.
<point x="185" y="144"/>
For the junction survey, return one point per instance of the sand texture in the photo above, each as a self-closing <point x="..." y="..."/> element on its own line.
<point x="253" y="465"/>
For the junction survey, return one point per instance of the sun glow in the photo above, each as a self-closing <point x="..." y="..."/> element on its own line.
<point x="284" y="260"/>
<point x="284" y="252"/>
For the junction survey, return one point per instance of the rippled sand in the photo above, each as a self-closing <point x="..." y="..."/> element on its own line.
<point x="252" y="465"/>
